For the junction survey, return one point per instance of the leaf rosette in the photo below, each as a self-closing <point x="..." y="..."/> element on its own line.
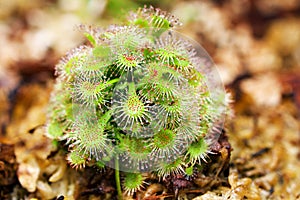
<point x="141" y="94"/>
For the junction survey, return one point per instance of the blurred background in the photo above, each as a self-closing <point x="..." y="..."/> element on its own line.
<point x="254" y="43"/>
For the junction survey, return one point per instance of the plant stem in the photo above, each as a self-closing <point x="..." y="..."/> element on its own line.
<point x="117" y="177"/>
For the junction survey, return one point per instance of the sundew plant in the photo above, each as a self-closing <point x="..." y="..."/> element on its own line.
<point x="140" y="97"/>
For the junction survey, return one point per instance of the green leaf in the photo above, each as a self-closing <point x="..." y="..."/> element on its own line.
<point x="102" y="51"/>
<point x="90" y="38"/>
<point x="160" y="22"/>
<point x="55" y="129"/>
<point x="189" y="170"/>
<point x="142" y="23"/>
